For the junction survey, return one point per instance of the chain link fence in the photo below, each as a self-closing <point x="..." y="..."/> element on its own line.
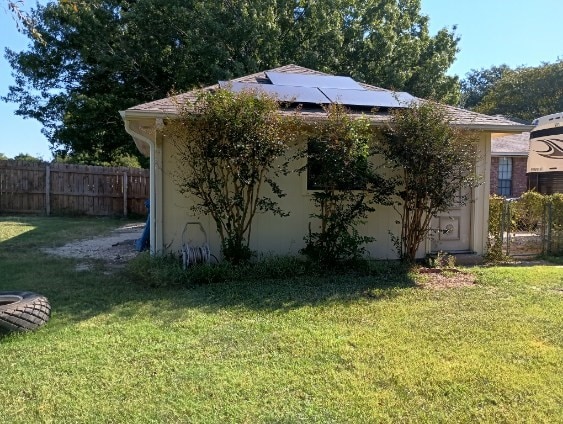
<point x="525" y="227"/>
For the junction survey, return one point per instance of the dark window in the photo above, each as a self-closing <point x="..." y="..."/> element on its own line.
<point x="504" y="187"/>
<point x="326" y="169"/>
<point x="546" y="132"/>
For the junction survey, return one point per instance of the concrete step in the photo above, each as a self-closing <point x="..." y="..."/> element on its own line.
<point x="468" y="259"/>
<point x="463" y="258"/>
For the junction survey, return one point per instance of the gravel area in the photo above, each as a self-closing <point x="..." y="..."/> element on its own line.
<point x="118" y="247"/>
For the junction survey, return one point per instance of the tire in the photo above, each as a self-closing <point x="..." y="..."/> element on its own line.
<point x="23" y="311"/>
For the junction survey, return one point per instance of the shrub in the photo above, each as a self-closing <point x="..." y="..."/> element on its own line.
<point x="494" y="243"/>
<point x="156" y="271"/>
<point x="435" y="161"/>
<point x="528" y="210"/>
<point x="231" y="147"/>
<point x="345" y="186"/>
<point x="166" y="271"/>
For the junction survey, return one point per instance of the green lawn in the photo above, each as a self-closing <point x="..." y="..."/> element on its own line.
<point x="334" y="349"/>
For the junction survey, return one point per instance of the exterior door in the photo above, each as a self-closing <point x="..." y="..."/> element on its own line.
<point x="451" y="231"/>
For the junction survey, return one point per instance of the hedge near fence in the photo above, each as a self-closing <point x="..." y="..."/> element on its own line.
<point x="529" y="225"/>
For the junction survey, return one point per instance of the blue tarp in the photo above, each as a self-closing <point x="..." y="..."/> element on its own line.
<point x="144" y="242"/>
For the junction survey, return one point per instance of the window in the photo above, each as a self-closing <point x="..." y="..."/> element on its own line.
<point x="340" y="175"/>
<point x="504" y="177"/>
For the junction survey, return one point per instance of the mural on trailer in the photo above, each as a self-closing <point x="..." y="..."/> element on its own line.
<point x="546" y="145"/>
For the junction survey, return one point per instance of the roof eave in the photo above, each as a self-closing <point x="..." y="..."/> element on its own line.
<point x="134" y="113"/>
<point x="502" y="128"/>
<point x="522" y="154"/>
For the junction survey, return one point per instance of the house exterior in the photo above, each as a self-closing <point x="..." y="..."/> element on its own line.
<point x="509" y="157"/>
<point x="170" y="210"/>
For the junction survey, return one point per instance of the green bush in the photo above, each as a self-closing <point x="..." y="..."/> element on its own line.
<point x="532" y="212"/>
<point x="557" y="210"/>
<point x="494" y="243"/>
<point x="156" y="271"/>
<point x="345" y="186"/>
<point x="167" y="271"/>
<point x="527" y="212"/>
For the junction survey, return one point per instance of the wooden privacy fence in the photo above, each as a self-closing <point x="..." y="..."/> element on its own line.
<point x="58" y="188"/>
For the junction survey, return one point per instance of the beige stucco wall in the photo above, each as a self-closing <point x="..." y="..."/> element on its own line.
<point x="270" y="234"/>
<point x="480" y="202"/>
<point x="277" y="235"/>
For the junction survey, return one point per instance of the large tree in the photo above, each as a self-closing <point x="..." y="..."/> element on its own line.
<point x="95" y="58"/>
<point x="21" y="17"/>
<point x="524" y="93"/>
<point x="478" y="83"/>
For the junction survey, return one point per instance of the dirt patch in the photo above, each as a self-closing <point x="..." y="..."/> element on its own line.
<point x="116" y="248"/>
<point x="444" y="278"/>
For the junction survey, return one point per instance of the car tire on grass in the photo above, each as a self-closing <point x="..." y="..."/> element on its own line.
<point x="23" y="311"/>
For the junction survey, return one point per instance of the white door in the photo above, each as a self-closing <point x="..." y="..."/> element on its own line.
<point x="451" y="231"/>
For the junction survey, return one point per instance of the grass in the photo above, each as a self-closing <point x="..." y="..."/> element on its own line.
<point x="309" y="349"/>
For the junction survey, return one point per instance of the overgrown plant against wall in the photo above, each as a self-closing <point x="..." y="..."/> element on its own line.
<point x="495" y="250"/>
<point x="435" y="164"/>
<point x="345" y="186"/>
<point x="532" y="214"/>
<point x="231" y="147"/>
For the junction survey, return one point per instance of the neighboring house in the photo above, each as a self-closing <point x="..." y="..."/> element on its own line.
<point x="509" y="156"/>
<point x="170" y="210"/>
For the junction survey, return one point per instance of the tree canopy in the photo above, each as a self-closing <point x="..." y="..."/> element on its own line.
<point x="27" y="157"/>
<point x="478" y="83"/>
<point x="22" y="156"/>
<point x="21" y="18"/>
<point x="105" y="56"/>
<point x="523" y="94"/>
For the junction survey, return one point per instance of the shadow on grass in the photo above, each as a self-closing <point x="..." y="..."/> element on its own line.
<point x="81" y="295"/>
<point x="77" y="296"/>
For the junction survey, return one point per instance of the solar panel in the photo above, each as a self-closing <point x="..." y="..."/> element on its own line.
<point x="320" y="81"/>
<point x="282" y="93"/>
<point x="405" y="97"/>
<point x="368" y="98"/>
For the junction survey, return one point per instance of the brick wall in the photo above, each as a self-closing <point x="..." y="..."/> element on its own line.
<point x="519" y="182"/>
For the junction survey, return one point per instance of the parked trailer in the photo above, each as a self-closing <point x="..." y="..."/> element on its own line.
<point x="545" y="159"/>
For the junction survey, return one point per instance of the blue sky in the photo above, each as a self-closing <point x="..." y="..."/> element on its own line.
<point x="493" y="32"/>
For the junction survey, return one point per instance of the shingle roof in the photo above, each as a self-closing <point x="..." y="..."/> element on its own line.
<point x="511" y="145"/>
<point x="170" y="105"/>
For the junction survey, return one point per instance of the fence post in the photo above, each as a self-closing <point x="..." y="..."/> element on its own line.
<point x="48" y="190"/>
<point x="549" y="226"/>
<point x="508" y="226"/>
<point x="125" y="194"/>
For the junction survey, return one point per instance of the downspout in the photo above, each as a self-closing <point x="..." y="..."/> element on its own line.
<point x="152" y="177"/>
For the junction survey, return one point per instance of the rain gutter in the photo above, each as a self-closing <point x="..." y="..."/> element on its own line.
<point x="152" y="182"/>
